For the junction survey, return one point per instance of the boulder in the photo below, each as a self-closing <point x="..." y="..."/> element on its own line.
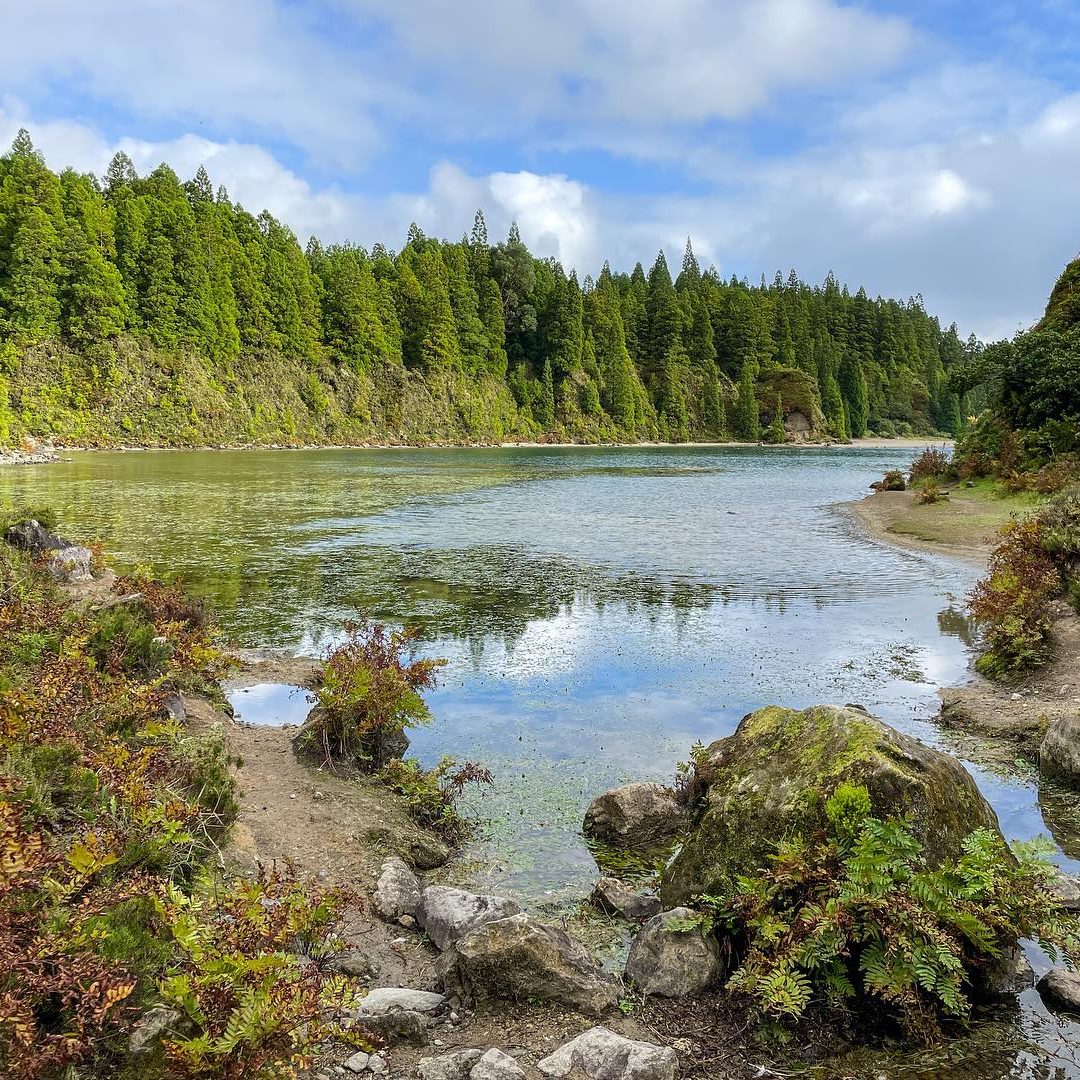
<point x="71" y="564"/>
<point x="603" y="1055"/>
<point x="636" y="816"/>
<point x="453" y="1066"/>
<point x="771" y="778"/>
<point x="1059" y="752"/>
<point x="1060" y="989"/>
<point x="494" y="1064"/>
<point x="672" y="957"/>
<point x="520" y="959"/>
<point x="32" y="537"/>
<point x="397" y="891"/>
<point x="447" y="914"/>
<point x="400" y="1026"/>
<point x="612" y="896"/>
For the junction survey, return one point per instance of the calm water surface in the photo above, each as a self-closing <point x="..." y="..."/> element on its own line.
<point x="601" y="609"/>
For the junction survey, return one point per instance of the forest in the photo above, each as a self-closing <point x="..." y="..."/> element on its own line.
<point x="151" y="311"/>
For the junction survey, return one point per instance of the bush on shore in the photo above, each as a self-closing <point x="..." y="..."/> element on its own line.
<point x="1036" y="562"/>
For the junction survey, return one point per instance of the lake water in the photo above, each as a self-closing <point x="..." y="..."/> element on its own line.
<point x="601" y="609"/>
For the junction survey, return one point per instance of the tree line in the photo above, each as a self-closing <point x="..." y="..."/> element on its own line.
<point x="180" y="267"/>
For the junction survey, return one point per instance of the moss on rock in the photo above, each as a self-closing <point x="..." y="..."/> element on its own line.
<point x="770" y="780"/>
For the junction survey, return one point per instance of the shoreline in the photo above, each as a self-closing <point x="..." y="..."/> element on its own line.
<point x="48" y="453"/>
<point x="1015" y="716"/>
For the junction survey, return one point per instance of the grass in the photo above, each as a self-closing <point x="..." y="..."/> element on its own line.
<point x="968" y="518"/>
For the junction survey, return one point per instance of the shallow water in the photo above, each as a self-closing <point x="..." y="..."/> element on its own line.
<point x="601" y="609"/>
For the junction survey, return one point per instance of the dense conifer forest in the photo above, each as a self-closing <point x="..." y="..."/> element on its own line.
<point x="151" y="310"/>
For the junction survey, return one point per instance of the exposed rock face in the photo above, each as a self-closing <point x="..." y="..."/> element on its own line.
<point x="636" y="816"/>
<point x="447" y="914"/>
<point x="149" y="1033"/>
<point x="453" y="1066"/>
<point x="770" y="779"/>
<point x="496" y="1065"/>
<point x="671" y="958"/>
<point x="397" y="891"/>
<point x="1059" y="754"/>
<point x="1067" y="890"/>
<point x="603" y="1055"/>
<point x="520" y="959"/>
<point x="613" y="896"/>
<point x="1060" y="989"/>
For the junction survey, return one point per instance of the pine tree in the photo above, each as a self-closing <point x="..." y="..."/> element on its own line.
<point x="747" y="422"/>
<point x="662" y="313"/>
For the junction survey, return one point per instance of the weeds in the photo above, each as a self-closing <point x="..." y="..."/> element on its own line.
<point x="430" y="795"/>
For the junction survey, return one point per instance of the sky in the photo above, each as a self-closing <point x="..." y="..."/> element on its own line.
<point x="923" y="147"/>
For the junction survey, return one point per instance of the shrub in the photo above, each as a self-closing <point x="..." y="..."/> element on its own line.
<point x="251" y="978"/>
<point x="430" y="795"/>
<point x="929" y="491"/>
<point x="1033" y="564"/>
<point x="369" y="695"/>
<point x="893" y="480"/>
<point x="932" y="463"/>
<point x="856" y="913"/>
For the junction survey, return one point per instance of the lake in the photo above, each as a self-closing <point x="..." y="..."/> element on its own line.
<point x="601" y="609"/>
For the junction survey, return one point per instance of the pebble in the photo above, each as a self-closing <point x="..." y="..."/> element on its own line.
<point x="358" y="1062"/>
<point x="377" y="1064"/>
<point x="455" y="1018"/>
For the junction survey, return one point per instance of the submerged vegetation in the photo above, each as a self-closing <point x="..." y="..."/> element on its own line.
<point x="152" y="310"/>
<point x="111" y="819"/>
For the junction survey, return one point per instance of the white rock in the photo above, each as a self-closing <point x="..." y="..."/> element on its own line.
<point x="377" y="1064"/>
<point x="495" y="1065"/>
<point x="358" y="1062"/>
<point x="397" y="892"/>
<point x="448" y="914"/>
<point x="385" y="999"/>
<point x="601" y="1054"/>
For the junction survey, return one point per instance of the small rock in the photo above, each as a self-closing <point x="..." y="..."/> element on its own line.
<point x="1060" y="989"/>
<point x="148" y="1032"/>
<point x="672" y="959"/>
<point x="454" y="1066"/>
<point x="447" y="914"/>
<point x="387" y="999"/>
<point x="408" y="922"/>
<point x="377" y="1064"/>
<point x="495" y="1065"/>
<point x="71" y="564"/>
<point x="358" y="1062"/>
<point x="613" y="896"/>
<point x="1067" y="890"/>
<point x="601" y="1054"/>
<point x="401" y="1025"/>
<point x="636" y="816"/>
<point x="355" y="964"/>
<point x="397" y="891"/>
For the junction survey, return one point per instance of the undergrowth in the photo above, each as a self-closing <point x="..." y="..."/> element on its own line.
<point x="111" y="818"/>
<point x="856" y="914"/>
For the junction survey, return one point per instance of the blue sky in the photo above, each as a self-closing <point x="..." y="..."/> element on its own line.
<point x="925" y="147"/>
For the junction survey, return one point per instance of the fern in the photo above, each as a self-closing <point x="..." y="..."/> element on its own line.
<point x="857" y="913"/>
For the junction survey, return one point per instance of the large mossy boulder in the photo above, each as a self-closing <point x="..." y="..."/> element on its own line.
<point x="770" y="779"/>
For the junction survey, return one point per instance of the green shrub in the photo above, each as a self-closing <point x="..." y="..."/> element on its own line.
<point x="430" y="795"/>
<point x="369" y="694"/>
<point x="929" y="491"/>
<point x="125" y="640"/>
<point x="856" y="915"/>
<point x="17" y="515"/>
